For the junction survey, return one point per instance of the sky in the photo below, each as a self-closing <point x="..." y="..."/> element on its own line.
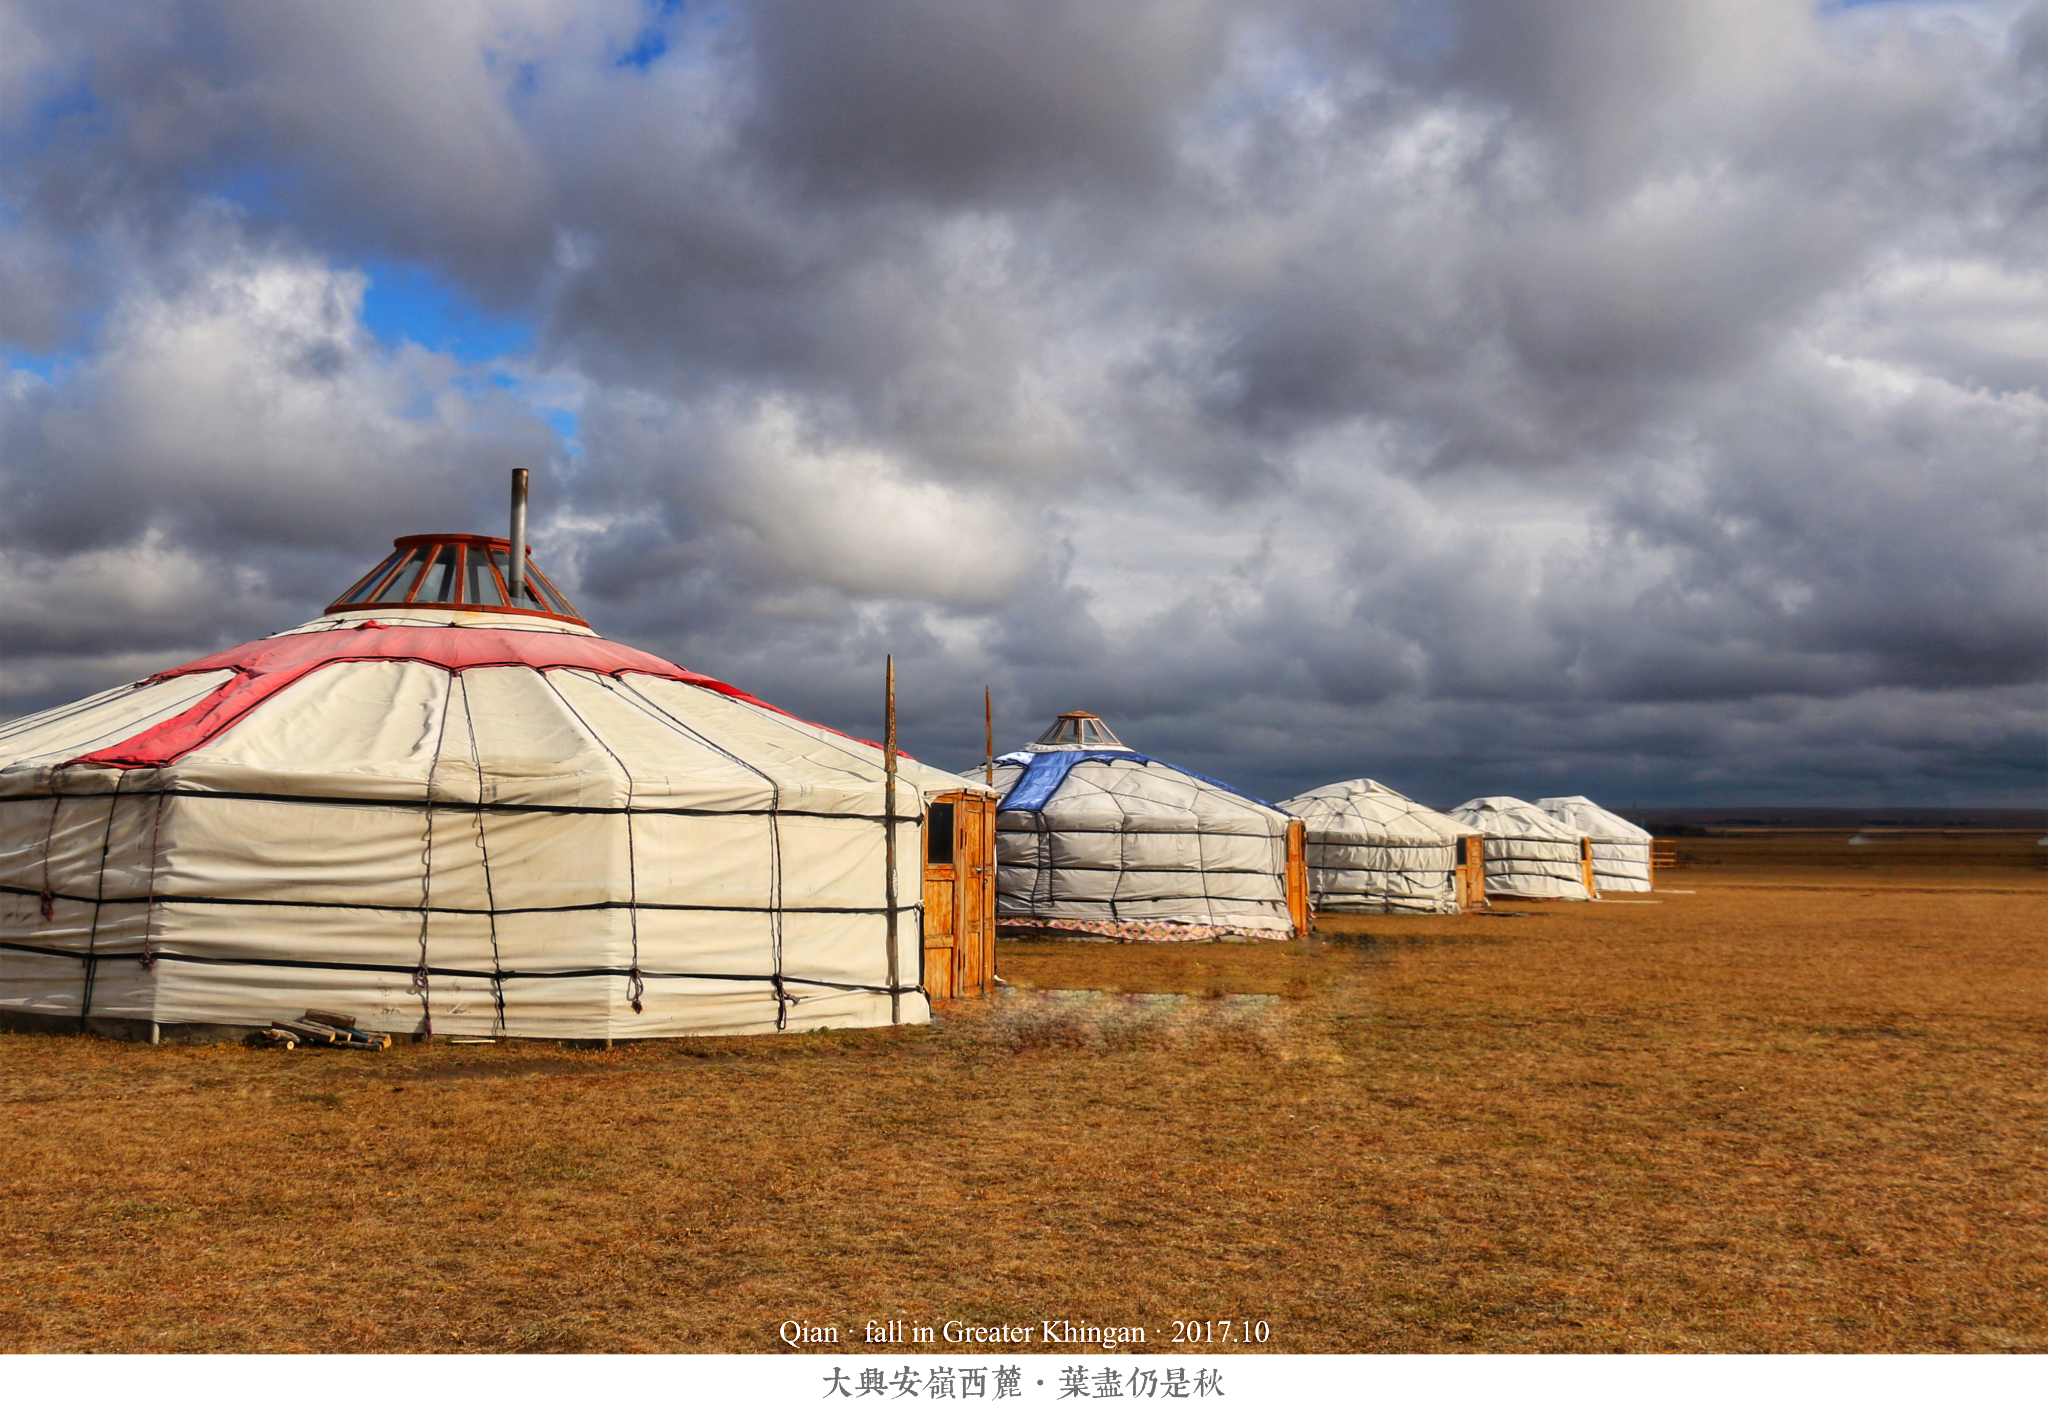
<point x="1527" y="397"/>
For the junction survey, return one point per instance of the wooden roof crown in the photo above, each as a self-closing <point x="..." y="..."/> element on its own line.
<point x="457" y="572"/>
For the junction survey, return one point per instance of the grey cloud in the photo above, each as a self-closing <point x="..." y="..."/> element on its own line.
<point x="1596" y="394"/>
<point x="963" y="100"/>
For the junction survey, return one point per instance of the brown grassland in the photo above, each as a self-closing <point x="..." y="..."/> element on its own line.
<point x="1801" y="1107"/>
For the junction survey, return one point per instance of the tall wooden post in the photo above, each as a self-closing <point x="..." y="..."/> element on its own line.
<point x="988" y="870"/>
<point x="889" y="823"/>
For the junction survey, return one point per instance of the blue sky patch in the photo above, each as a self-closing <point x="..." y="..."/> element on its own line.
<point x="652" y="41"/>
<point x="566" y="425"/>
<point x="408" y="303"/>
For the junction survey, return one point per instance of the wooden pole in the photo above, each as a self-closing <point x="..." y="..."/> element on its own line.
<point x="987" y="869"/>
<point x="889" y="822"/>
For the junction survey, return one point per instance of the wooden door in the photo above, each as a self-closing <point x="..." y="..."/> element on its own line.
<point x="974" y="960"/>
<point x="1297" y="876"/>
<point x="959" y="896"/>
<point x="1471" y="872"/>
<point x="941" y="896"/>
<point x="1586" y="867"/>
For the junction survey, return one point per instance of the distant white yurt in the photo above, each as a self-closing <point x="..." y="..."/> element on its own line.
<point x="447" y="806"/>
<point x="1374" y="850"/>
<point x="1621" y="851"/>
<point x="1529" y="855"/>
<point x="1094" y="837"/>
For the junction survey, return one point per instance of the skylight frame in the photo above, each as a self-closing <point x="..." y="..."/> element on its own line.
<point x="422" y="553"/>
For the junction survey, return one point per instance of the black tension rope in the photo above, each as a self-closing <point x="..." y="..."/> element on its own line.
<point x="483" y="850"/>
<point x="422" y="979"/>
<point x="387" y="802"/>
<point x="99" y="899"/>
<point x="173" y="955"/>
<point x="640" y="701"/>
<point x="1041" y="870"/>
<point x="636" y="985"/>
<point x="49" y="905"/>
<point x="156" y="830"/>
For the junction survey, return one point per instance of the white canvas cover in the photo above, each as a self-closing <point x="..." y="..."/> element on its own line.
<point x="456" y="821"/>
<point x="1529" y="855"/>
<point x="1125" y="839"/>
<point x="1373" y="850"/>
<point x="1621" y="851"/>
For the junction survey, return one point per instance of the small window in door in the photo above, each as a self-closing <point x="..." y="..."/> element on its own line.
<point x="938" y="846"/>
<point x="1461" y="853"/>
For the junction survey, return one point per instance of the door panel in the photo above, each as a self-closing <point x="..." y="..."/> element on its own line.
<point x="940" y="908"/>
<point x="1471" y="872"/>
<point x="976" y="858"/>
<point x="938" y="973"/>
<point x="1297" y="876"/>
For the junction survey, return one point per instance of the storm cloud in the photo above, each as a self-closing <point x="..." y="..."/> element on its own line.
<point x="1508" y="396"/>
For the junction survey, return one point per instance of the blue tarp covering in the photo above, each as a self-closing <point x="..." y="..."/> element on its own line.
<point x="1046" y="771"/>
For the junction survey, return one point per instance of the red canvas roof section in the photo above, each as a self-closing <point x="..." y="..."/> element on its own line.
<point x="262" y="669"/>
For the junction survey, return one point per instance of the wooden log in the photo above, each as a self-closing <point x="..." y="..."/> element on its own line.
<point x="311" y="1031"/>
<point x="889" y="829"/>
<point x="329" y="1019"/>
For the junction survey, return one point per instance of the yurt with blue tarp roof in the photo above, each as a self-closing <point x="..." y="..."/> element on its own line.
<point x="1094" y="837"/>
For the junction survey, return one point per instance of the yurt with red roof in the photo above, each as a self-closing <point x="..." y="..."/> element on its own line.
<point x="448" y="806"/>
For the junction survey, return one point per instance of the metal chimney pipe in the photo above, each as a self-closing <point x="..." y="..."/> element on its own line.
<point x="516" y="584"/>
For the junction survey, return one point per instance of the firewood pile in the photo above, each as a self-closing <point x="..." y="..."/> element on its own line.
<point x="318" y="1028"/>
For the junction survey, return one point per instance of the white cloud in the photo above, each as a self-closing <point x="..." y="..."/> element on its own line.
<point x="1323" y="385"/>
<point x="860" y="519"/>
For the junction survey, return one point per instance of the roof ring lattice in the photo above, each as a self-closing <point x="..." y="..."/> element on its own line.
<point x="1078" y="729"/>
<point x="457" y="572"/>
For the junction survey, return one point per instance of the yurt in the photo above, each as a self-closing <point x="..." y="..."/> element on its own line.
<point x="1373" y="850"/>
<point x="1529" y="855"/>
<point x="447" y="806"/>
<point x="1621" y="851"/>
<point x="1093" y="837"/>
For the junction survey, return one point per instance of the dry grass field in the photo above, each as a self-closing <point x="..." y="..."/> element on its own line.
<point x="1799" y="1106"/>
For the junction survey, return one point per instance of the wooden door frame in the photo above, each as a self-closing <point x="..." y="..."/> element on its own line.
<point x="956" y="975"/>
<point x="1468" y="880"/>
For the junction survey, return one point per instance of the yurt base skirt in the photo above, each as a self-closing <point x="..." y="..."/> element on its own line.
<point x="1136" y="931"/>
<point x="184" y="1001"/>
<point x="122" y="1029"/>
